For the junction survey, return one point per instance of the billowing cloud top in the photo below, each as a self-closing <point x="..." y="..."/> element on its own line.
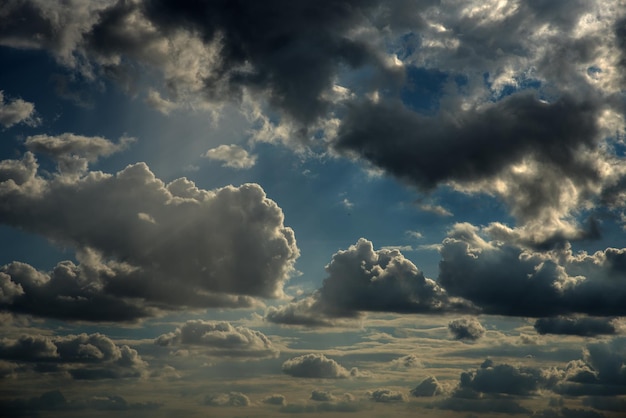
<point x="139" y="239"/>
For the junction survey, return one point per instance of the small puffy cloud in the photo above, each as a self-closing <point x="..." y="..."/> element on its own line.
<point x="16" y="111"/>
<point x="583" y="326"/>
<point x="322" y="396"/>
<point x="315" y="366"/>
<point x="227" y="399"/>
<point x="130" y="242"/>
<point x="154" y="99"/>
<point x="386" y="396"/>
<point x="430" y="386"/>
<point x="83" y="356"/>
<point x="501" y="379"/>
<point x="436" y="209"/>
<point x="406" y="362"/>
<point x="275" y="399"/>
<point x="219" y="339"/>
<point x="466" y="329"/>
<point x="232" y="156"/>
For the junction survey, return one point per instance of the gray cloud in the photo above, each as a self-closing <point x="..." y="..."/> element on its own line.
<point x="361" y="279"/>
<point x="55" y="401"/>
<point x="466" y="329"/>
<point x="322" y="396"/>
<point x="219" y="339"/>
<point x="16" y="111"/>
<point x="386" y="396"/>
<point x="583" y="326"/>
<point x="128" y="234"/>
<point x="493" y="274"/>
<point x="407" y="362"/>
<point x="83" y="356"/>
<point x="316" y="366"/>
<point x="227" y="399"/>
<point x="430" y="386"/>
<point x="275" y="399"/>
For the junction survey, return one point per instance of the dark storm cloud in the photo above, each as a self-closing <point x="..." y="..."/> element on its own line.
<point x="83" y="356"/>
<point x="288" y="50"/>
<point x="361" y="279"/>
<point x="316" y="366"/>
<point x="219" y="339"/>
<point x="135" y="252"/>
<point x="468" y="145"/>
<point x="508" y="279"/>
<point x="466" y="329"/>
<point x="583" y="326"/>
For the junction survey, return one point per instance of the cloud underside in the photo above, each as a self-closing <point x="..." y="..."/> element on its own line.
<point x="518" y="101"/>
<point x="472" y="272"/>
<point x="142" y="245"/>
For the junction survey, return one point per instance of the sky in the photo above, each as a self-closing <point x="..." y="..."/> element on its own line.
<point x="306" y="208"/>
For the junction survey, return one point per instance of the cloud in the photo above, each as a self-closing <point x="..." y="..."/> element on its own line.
<point x="409" y="361"/>
<point x="493" y="274"/>
<point x="54" y="400"/>
<point x="361" y="279"/>
<point x="131" y="242"/>
<point x="227" y="399"/>
<point x="16" y="111"/>
<point x="275" y="399"/>
<point x="71" y="152"/>
<point x="430" y="386"/>
<point x="583" y="326"/>
<point x="466" y="329"/>
<point x="232" y="156"/>
<point x="386" y="396"/>
<point x="322" y="396"/>
<point x="501" y="379"/>
<point x="83" y="356"/>
<point x="219" y="339"/>
<point x="316" y="366"/>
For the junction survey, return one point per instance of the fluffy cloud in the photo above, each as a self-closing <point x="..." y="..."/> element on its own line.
<point x="322" y="396"/>
<point x="227" y="399"/>
<point x="15" y="111"/>
<point x="406" y="362"/>
<point x="466" y="329"/>
<point x="386" y="396"/>
<point x="135" y="234"/>
<point x="316" y="366"/>
<point x="275" y="399"/>
<point x="510" y="279"/>
<point x="232" y="156"/>
<point x="219" y="339"/>
<point x="83" y="356"/>
<point x="71" y="152"/>
<point x="583" y="326"/>
<point x="361" y="279"/>
<point x="430" y="386"/>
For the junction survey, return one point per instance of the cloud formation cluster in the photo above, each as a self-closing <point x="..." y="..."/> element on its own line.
<point x="141" y="243"/>
<point x="526" y="105"/>
<point x="83" y="356"/>
<point x="219" y="339"/>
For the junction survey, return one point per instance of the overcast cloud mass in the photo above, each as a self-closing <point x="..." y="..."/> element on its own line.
<point x="373" y="208"/>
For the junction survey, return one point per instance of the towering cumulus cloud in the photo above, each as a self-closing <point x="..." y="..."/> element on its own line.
<point x="141" y="243"/>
